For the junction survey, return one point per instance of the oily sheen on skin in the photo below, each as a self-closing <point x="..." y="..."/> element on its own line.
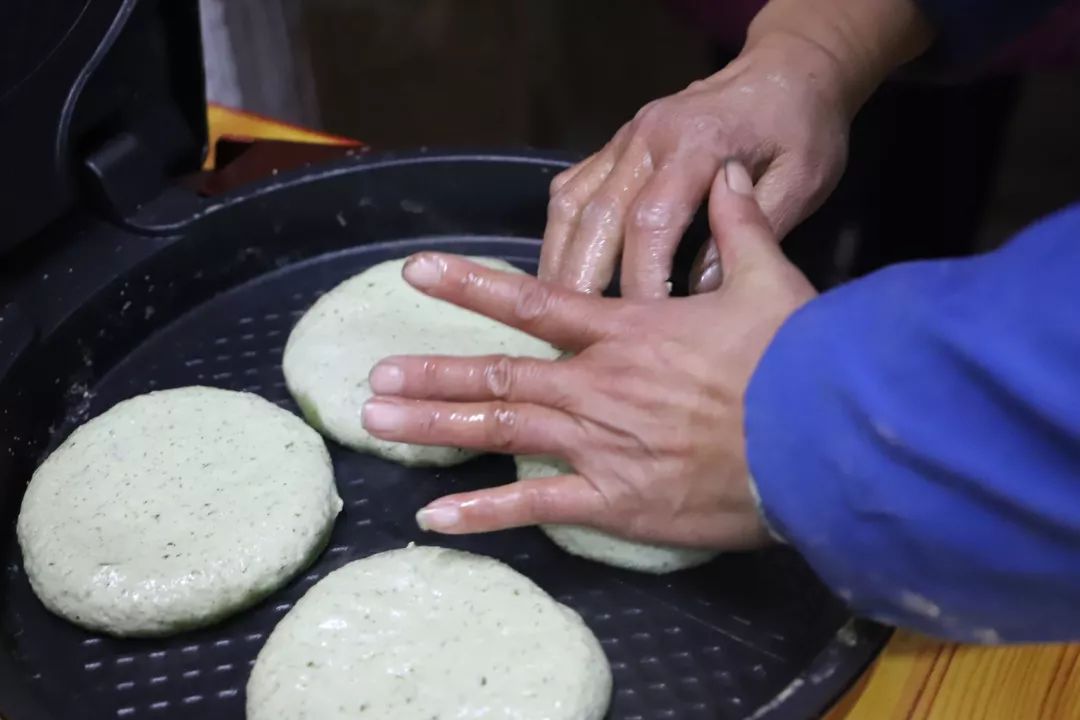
<point x="368" y="317"/>
<point x="377" y="314"/>
<point x="174" y="509"/>
<point x="426" y="632"/>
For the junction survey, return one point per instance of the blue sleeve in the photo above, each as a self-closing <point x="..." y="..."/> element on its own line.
<point x="916" y="436"/>
<point x="969" y="30"/>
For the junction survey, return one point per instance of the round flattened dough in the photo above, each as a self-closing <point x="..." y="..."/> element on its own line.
<point x="599" y="546"/>
<point x="425" y="632"/>
<point x="174" y="509"/>
<point x="363" y="320"/>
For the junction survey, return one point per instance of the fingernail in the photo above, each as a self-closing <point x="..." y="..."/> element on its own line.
<point x="738" y="180"/>
<point x="387" y="379"/>
<point x="709" y="279"/>
<point x="439" y="518"/>
<point x="423" y="271"/>
<point x="381" y="416"/>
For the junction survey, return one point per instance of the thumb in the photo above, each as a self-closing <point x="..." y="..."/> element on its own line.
<point x="786" y="194"/>
<point x="743" y="235"/>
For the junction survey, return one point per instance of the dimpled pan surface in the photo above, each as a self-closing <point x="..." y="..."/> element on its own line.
<point x="743" y="634"/>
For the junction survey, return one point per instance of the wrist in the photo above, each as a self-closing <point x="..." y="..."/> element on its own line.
<point x="801" y="62"/>
<point x="848" y="47"/>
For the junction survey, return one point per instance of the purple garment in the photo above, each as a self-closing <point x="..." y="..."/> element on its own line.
<point x="1053" y="45"/>
<point x="722" y="21"/>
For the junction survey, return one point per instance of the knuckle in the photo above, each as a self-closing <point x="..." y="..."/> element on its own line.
<point x="533" y="301"/>
<point x="537" y="501"/>
<point x="428" y="423"/>
<point x="601" y="208"/>
<point x="620" y="135"/>
<point x="474" y="284"/>
<point x="502" y="426"/>
<point x="499" y="377"/>
<point x="563" y="205"/>
<point x="560" y="180"/>
<point x="649" y="112"/>
<point x="652" y="216"/>
<point x="429" y="374"/>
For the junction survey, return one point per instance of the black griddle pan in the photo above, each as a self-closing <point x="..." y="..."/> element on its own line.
<point x="106" y="312"/>
<point x="117" y="278"/>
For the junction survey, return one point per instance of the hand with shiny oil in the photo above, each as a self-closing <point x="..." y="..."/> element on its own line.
<point x="648" y="410"/>
<point x="777" y="108"/>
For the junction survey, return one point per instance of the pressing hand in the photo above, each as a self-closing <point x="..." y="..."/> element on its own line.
<point x="648" y="410"/>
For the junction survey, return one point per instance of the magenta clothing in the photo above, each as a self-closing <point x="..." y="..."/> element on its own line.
<point x="722" y="21"/>
<point x="1053" y="44"/>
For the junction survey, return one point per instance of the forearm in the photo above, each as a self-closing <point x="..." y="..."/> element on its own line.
<point x="858" y="43"/>
<point x="916" y="435"/>
<point x="868" y="39"/>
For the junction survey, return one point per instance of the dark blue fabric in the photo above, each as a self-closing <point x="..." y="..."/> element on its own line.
<point x="969" y="30"/>
<point x="916" y="435"/>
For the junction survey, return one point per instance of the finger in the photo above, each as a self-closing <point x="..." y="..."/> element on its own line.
<point x="589" y="260"/>
<point x="569" y="499"/>
<point x="566" y="319"/>
<point x="569" y="192"/>
<point x="495" y="427"/>
<point x="569" y="174"/>
<point x="659" y="217"/>
<point x="573" y="500"/>
<point x="470" y="379"/>
<point x="743" y="235"/>
<point x="706" y="273"/>
<point x="787" y="195"/>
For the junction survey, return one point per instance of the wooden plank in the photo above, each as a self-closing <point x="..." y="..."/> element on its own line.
<point x="918" y="678"/>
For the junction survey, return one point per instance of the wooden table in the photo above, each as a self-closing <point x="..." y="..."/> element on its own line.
<point x="915" y="677"/>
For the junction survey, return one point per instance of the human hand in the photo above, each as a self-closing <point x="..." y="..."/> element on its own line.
<point x="648" y="411"/>
<point x="779" y="108"/>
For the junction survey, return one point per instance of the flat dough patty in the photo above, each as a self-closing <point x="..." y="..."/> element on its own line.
<point x="427" y="632"/>
<point x="174" y="509"/>
<point x="599" y="546"/>
<point x="372" y="315"/>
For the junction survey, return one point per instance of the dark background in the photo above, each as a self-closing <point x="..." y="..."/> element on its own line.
<point x="951" y="169"/>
